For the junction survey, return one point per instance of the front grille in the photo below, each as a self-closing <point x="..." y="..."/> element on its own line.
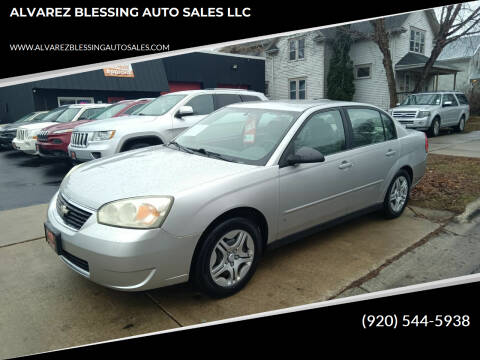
<point x="71" y="215"/>
<point x="79" y="139"/>
<point x="22" y="134"/>
<point x="406" y="122"/>
<point x="404" y="114"/>
<point x="42" y="136"/>
<point x="82" y="264"/>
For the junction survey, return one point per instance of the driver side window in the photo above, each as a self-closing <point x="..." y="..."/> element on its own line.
<point x="323" y="132"/>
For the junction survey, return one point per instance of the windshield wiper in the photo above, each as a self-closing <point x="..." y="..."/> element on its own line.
<point x="180" y="147"/>
<point x="211" y="154"/>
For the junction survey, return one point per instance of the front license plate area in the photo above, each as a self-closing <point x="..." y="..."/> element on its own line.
<point x="53" y="239"/>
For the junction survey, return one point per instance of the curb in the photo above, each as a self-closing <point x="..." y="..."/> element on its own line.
<point x="471" y="210"/>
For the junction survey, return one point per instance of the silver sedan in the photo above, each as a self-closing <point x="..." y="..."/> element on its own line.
<point x="249" y="176"/>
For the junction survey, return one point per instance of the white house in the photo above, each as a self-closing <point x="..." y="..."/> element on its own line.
<point x="297" y="66"/>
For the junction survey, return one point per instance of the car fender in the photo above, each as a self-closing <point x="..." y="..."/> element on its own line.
<point x="138" y="135"/>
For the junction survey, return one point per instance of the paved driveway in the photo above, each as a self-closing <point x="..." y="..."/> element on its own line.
<point x="467" y="144"/>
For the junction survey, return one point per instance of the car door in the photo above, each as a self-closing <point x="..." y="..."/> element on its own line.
<point x="202" y="105"/>
<point x="374" y="152"/>
<point x="310" y="194"/>
<point x="451" y="112"/>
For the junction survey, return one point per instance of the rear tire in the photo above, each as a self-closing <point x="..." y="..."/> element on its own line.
<point x="227" y="258"/>
<point x="461" y="125"/>
<point x="397" y="195"/>
<point x="434" y="127"/>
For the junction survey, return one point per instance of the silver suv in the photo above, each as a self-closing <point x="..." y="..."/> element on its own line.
<point x="156" y="123"/>
<point x="431" y="111"/>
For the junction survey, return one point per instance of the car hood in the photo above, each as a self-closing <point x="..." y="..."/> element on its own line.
<point x="37" y="126"/>
<point x="157" y="170"/>
<point x="66" y="126"/>
<point x="416" y="108"/>
<point x="115" y="123"/>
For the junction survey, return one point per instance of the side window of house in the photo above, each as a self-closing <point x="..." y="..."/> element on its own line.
<point x="323" y="132"/>
<point x="222" y="100"/>
<point x="389" y="126"/>
<point x="297" y="88"/>
<point x="296" y="49"/>
<point x="367" y="127"/>
<point x="201" y="104"/>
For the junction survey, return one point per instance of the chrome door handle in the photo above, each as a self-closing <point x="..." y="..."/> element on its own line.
<point x="345" y="165"/>
<point x="390" y="152"/>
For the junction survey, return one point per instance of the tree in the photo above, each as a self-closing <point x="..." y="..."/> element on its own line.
<point x="455" y="21"/>
<point x="340" y="84"/>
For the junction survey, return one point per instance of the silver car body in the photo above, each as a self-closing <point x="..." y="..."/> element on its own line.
<point x="288" y="199"/>
<point x="412" y="116"/>
<point x="162" y="128"/>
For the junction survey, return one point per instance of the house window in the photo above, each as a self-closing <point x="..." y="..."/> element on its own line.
<point x="297" y="49"/>
<point x="363" y="71"/>
<point x="298" y="88"/>
<point x="417" y="41"/>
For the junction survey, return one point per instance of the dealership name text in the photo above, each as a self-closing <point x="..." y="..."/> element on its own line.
<point x="98" y="12"/>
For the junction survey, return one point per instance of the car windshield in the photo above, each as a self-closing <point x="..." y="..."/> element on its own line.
<point x="135" y="109"/>
<point x="109" y="111"/>
<point x="25" y="118"/>
<point x="243" y="135"/>
<point x="39" y="116"/>
<point x="52" y="115"/>
<point x="422" y="99"/>
<point x="67" y="115"/>
<point x="160" y="105"/>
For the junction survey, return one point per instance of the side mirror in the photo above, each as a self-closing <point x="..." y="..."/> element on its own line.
<point x="447" y="103"/>
<point x="305" y="155"/>
<point x="185" y="111"/>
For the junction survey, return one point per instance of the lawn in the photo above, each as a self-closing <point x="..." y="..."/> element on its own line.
<point x="450" y="183"/>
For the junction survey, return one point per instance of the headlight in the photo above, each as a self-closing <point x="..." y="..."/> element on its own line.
<point x="103" y="135"/>
<point x="63" y="131"/>
<point x="137" y="213"/>
<point x="422" y="114"/>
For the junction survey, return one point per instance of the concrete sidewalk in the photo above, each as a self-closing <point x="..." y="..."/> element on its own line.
<point x="44" y="305"/>
<point x="467" y="144"/>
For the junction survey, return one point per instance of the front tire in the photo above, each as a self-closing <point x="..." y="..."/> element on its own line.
<point x="434" y="128"/>
<point x="227" y="258"/>
<point x="397" y="195"/>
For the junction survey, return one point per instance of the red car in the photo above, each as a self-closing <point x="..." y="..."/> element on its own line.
<point x="53" y="141"/>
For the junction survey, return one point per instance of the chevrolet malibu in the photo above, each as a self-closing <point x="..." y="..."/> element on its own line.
<point x="205" y="206"/>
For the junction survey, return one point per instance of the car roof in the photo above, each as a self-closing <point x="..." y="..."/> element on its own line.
<point x="214" y="91"/>
<point x="88" y="105"/>
<point x="297" y="105"/>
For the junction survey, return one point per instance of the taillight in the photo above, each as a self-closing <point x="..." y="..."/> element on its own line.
<point x="426" y="143"/>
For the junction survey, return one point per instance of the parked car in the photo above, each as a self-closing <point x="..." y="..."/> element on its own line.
<point x="157" y="122"/>
<point x="26" y="138"/>
<point x="53" y="141"/>
<point x="432" y="111"/>
<point x="8" y="131"/>
<point x="205" y="206"/>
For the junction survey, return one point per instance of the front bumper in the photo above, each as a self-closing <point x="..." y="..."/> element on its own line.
<point x="48" y="150"/>
<point x="27" y="146"/>
<point x="416" y="123"/>
<point x="92" y="151"/>
<point x="123" y="259"/>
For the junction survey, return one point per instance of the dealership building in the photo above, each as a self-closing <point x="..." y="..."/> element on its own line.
<point x="198" y="70"/>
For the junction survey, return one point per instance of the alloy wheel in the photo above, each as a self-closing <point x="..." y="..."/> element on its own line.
<point x="232" y="258"/>
<point x="399" y="194"/>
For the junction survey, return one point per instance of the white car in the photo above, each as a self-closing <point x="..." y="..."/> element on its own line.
<point x="27" y="135"/>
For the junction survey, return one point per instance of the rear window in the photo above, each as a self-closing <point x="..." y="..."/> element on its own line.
<point x="462" y="99"/>
<point x="246" y="98"/>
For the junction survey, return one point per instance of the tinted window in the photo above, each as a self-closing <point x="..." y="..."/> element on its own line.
<point x="323" y="132"/>
<point x="462" y="99"/>
<point x="367" y="126"/>
<point x="389" y="126"/>
<point x="201" y="104"/>
<point x="246" y="98"/>
<point x="222" y="100"/>
<point x="450" y="97"/>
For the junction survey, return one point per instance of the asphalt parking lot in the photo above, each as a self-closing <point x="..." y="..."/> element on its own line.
<point x="45" y="306"/>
